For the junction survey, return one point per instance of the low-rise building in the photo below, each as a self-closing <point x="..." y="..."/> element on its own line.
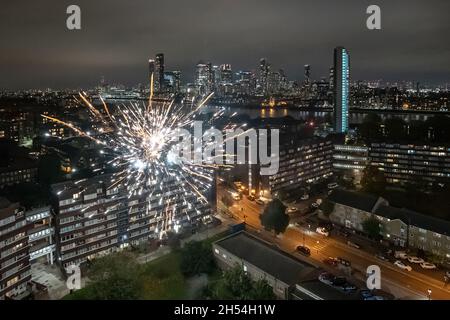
<point x="289" y="277"/>
<point x="400" y="226"/>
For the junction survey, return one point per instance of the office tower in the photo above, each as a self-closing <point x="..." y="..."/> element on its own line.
<point x="226" y="75"/>
<point x="341" y="89"/>
<point x="204" y="78"/>
<point x="159" y="73"/>
<point x="172" y="81"/>
<point x="331" y="78"/>
<point x="216" y="77"/>
<point x="307" y="73"/>
<point x="263" y="73"/>
<point x="151" y="67"/>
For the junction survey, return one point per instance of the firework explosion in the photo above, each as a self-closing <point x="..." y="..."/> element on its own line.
<point x="139" y="138"/>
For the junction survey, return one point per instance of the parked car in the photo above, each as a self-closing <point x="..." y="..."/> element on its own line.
<point x="447" y="273"/>
<point x="259" y="201"/>
<point x="366" y="294"/>
<point x="402" y="266"/>
<point x="413" y="259"/>
<point x="353" y="244"/>
<point x="304" y="250"/>
<point x="428" y="265"/>
<point x="250" y="197"/>
<point x="322" y="231"/>
<point x="344" y="262"/>
<point x="292" y="209"/>
<point x="305" y="197"/>
<point x="344" y="233"/>
<point x="332" y="185"/>
<point x="236" y="197"/>
<point x="326" y="278"/>
<point x="339" y="281"/>
<point x="315" y="205"/>
<point x="400" y="255"/>
<point x="331" y="261"/>
<point x="382" y="257"/>
<point x="375" y="298"/>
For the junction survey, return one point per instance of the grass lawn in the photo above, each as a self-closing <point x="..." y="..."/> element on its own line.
<point x="161" y="278"/>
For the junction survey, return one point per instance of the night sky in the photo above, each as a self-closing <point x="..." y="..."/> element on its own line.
<point x="118" y="38"/>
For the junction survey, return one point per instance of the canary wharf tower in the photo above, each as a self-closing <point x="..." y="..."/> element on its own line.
<point x="341" y="89"/>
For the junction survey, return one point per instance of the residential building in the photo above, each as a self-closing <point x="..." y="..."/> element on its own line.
<point x="94" y="217"/>
<point x="411" y="163"/>
<point x="399" y="226"/>
<point x="14" y="250"/>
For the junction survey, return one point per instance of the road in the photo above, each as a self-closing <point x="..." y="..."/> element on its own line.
<point x="402" y="284"/>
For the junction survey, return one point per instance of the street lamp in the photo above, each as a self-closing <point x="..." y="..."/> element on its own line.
<point x="429" y="294"/>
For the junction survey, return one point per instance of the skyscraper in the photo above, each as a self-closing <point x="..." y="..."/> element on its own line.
<point x="263" y="74"/>
<point x="158" y="77"/>
<point x="341" y="89"/>
<point x="204" y="78"/>
<point x="151" y="70"/>
<point x="307" y="73"/>
<point x="226" y="74"/>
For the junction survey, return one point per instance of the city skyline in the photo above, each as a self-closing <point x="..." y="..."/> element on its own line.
<point x="42" y="53"/>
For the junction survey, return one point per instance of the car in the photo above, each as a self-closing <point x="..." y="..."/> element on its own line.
<point x="259" y="201"/>
<point x="314" y="205"/>
<point x="326" y="278"/>
<point x="400" y="255"/>
<point x="344" y="262"/>
<point x="236" y="197"/>
<point x="250" y="197"/>
<point x="366" y="294"/>
<point x="292" y="209"/>
<point x="402" y="266"/>
<point x="382" y="257"/>
<point x="375" y="298"/>
<point x="304" y="197"/>
<point x="348" y="287"/>
<point x="339" y="281"/>
<point x="332" y="185"/>
<point x="413" y="259"/>
<point x="344" y="233"/>
<point x="331" y="261"/>
<point x="353" y="244"/>
<point x="428" y="265"/>
<point x="304" y="250"/>
<point x="322" y="231"/>
<point x="447" y="274"/>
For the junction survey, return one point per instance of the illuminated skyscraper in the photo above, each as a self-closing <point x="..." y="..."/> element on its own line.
<point x="158" y="77"/>
<point x="264" y="69"/>
<point x="307" y="73"/>
<point x="204" y="78"/>
<point x="341" y="89"/>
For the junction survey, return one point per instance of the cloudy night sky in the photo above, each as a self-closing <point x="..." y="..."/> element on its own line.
<point x="118" y="38"/>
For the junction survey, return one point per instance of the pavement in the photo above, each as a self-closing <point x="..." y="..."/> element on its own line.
<point x="402" y="284"/>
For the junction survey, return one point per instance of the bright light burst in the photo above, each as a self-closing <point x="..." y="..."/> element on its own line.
<point x="139" y="137"/>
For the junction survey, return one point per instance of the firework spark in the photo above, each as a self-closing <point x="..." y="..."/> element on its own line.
<point x="139" y="138"/>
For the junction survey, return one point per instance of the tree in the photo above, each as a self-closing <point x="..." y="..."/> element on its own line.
<point x="327" y="207"/>
<point x="197" y="258"/>
<point x="274" y="217"/>
<point x="371" y="226"/>
<point x="236" y="284"/>
<point x="115" y="277"/>
<point x="373" y="180"/>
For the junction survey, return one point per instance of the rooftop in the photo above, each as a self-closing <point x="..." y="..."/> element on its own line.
<point x="267" y="258"/>
<point x="356" y="200"/>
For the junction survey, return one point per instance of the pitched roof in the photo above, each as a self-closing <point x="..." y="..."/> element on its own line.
<point x="357" y="200"/>
<point x="414" y="218"/>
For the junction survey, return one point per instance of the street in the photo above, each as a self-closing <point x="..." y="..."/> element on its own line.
<point x="400" y="283"/>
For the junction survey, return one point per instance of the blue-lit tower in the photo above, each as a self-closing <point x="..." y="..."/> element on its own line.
<point x="341" y="89"/>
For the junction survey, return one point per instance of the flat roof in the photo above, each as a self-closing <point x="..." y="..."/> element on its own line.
<point x="267" y="258"/>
